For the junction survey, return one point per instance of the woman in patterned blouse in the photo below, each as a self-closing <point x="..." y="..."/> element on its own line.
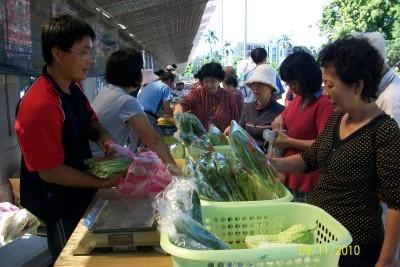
<point x="357" y="154"/>
<point x="209" y="102"/>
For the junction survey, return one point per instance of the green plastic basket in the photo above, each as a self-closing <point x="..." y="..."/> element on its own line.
<point x="283" y="192"/>
<point x="234" y="223"/>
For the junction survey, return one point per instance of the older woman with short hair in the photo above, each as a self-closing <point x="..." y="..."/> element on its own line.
<point x="209" y="102"/>
<point x="258" y="115"/>
<point x="357" y="154"/>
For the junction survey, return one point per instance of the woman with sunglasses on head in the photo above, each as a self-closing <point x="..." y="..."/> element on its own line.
<point x="304" y="118"/>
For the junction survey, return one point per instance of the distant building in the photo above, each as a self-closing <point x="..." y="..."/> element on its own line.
<point x="238" y="51"/>
<point x="278" y="48"/>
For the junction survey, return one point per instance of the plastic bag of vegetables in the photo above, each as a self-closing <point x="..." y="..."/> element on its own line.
<point x="207" y="171"/>
<point x="206" y="190"/>
<point x="180" y="216"/>
<point x="187" y="122"/>
<point x="216" y="137"/>
<point x="199" y="146"/>
<point x="188" y="226"/>
<point x="254" y="159"/>
<point x="189" y="128"/>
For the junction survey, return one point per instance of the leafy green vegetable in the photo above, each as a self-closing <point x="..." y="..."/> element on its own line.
<point x="105" y="168"/>
<point x="216" y="137"/>
<point x="196" y="210"/>
<point x="254" y="159"/>
<point x="177" y="151"/>
<point x="296" y="234"/>
<point x="187" y="226"/>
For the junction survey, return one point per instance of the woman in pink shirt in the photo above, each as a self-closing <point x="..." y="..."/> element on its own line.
<point x="303" y="119"/>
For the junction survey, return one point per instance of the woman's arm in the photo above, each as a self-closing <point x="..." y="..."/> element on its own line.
<point x="277" y="123"/>
<point x="145" y="131"/>
<point x="291" y="164"/>
<point x="99" y="134"/>
<point x="389" y="249"/>
<point x="283" y="141"/>
<point x="178" y="109"/>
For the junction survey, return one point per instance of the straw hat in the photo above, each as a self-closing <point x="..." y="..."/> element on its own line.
<point x="263" y="73"/>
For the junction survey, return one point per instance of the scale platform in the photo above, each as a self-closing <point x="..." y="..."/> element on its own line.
<point x="119" y="223"/>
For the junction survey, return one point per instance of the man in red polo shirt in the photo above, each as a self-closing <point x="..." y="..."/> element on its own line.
<point x="54" y="124"/>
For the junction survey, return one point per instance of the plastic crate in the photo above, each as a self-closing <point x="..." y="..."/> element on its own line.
<point x="234" y="223"/>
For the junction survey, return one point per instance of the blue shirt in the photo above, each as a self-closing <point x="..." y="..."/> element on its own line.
<point x="152" y="96"/>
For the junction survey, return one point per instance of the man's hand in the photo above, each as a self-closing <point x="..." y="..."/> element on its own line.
<point x="108" y="148"/>
<point x="112" y="181"/>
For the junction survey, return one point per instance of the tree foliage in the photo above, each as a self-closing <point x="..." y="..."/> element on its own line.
<point x="341" y="17"/>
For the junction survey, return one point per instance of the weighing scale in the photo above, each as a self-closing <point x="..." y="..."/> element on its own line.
<point x="119" y="223"/>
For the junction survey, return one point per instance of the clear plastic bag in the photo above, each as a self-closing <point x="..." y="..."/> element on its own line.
<point x="179" y="215"/>
<point x="15" y="222"/>
<point x="254" y="159"/>
<point x="216" y="137"/>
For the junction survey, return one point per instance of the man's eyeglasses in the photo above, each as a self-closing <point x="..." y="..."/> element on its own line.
<point x="86" y="55"/>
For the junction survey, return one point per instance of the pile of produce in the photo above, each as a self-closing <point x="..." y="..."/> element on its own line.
<point x="254" y="159"/>
<point x="190" y="129"/>
<point x="242" y="174"/>
<point x="296" y="234"/>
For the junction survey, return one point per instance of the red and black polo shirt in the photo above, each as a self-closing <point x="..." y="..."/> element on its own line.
<point x="52" y="129"/>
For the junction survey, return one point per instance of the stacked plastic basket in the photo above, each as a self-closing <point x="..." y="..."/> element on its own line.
<point x="234" y="222"/>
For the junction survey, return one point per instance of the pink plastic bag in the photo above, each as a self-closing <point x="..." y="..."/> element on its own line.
<point x="147" y="176"/>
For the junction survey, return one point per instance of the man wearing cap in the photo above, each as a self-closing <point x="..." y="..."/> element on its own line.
<point x="258" y="115"/>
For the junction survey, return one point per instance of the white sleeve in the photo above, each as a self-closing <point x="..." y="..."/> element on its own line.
<point x="129" y="109"/>
<point x="389" y="102"/>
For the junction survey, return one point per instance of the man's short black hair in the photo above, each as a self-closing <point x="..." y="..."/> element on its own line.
<point x="354" y="59"/>
<point x="63" y="32"/>
<point x="303" y="68"/>
<point x="124" y="68"/>
<point x="258" y="55"/>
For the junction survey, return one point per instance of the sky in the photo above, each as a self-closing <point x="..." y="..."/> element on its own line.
<point x="266" y="19"/>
